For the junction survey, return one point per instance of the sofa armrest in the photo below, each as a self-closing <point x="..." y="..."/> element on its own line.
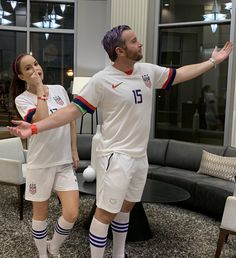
<point x="156" y="151"/>
<point x="11" y="171"/>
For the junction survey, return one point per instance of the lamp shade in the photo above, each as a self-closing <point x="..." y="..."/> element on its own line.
<point x="78" y="84"/>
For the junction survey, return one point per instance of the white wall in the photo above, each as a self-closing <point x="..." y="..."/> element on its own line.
<point x="92" y="24"/>
<point x="133" y="13"/>
<point x="91" y="27"/>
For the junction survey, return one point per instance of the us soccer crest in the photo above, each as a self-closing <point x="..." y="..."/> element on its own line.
<point x="58" y="100"/>
<point x="32" y="188"/>
<point x="147" y="80"/>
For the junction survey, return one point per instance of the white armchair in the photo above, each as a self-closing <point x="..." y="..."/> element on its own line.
<point x="228" y="222"/>
<point x="13" y="166"/>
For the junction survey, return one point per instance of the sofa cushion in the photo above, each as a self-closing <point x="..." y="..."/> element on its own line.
<point x="218" y="166"/>
<point x="230" y="152"/>
<point x="179" y="177"/>
<point x="188" y="155"/>
<point x="84" y="142"/>
<point x="211" y="194"/>
<point x="156" y="151"/>
<point x="152" y="170"/>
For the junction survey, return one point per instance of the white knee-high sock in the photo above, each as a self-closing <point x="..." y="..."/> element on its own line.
<point x="97" y="238"/>
<point x="40" y="232"/>
<point x="61" y="231"/>
<point x="119" y="227"/>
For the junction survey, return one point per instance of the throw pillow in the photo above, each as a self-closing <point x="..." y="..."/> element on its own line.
<point x="218" y="166"/>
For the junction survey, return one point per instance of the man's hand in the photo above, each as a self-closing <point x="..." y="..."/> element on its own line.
<point x="221" y="55"/>
<point x="23" y="129"/>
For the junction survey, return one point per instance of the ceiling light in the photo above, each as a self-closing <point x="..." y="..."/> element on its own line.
<point x="47" y="22"/>
<point x="4" y="21"/>
<point x="215" y="15"/>
<point x="53" y="16"/>
<point x="214" y="27"/>
<point x="63" y="7"/>
<point x="3" y="13"/>
<point x="13" y="4"/>
<point x="46" y="36"/>
<point x="228" y="6"/>
<point x="166" y="3"/>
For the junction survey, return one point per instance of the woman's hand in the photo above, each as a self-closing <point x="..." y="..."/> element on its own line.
<point x="23" y="129"/>
<point x="75" y="158"/>
<point x="35" y="80"/>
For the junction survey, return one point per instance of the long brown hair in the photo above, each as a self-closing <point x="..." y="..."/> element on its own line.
<point x="17" y="85"/>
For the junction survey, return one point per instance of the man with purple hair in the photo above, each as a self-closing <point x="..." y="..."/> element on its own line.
<point x="123" y="92"/>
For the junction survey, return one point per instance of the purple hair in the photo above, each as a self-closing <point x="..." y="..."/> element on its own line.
<point x="113" y="39"/>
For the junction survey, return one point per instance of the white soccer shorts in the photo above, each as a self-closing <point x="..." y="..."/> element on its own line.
<point x="119" y="177"/>
<point x="41" y="182"/>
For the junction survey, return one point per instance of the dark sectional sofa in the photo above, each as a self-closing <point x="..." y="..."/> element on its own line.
<point x="177" y="162"/>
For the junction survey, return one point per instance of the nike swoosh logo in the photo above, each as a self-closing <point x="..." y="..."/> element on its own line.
<point x="116" y="85"/>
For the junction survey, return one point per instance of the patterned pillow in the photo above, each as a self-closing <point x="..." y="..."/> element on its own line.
<point x="218" y="166"/>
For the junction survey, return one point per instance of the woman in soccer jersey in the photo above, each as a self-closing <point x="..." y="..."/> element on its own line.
<point x="52" y="156"/>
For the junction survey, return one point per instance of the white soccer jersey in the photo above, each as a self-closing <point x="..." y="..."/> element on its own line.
<point x="52" y="147"/>
<point x="126" y="104"/>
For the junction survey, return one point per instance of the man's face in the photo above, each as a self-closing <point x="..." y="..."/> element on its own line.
<point x="133" y="48"/>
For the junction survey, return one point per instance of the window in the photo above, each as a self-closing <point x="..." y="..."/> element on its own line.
<point x="48" y="35"/>
<point x="11" y="41"/>
<point x="13" y="13"/>
<point x="195" y="10"/>
<point x="52" y="15"/>
<point x="55" y="55"/>
<point x="195" y="110"/>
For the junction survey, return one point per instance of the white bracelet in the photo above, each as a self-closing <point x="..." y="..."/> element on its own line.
<point x="212" y="61"/>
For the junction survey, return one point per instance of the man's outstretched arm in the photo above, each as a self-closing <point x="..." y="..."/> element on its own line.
<point x="189" y="72"/>
<point x="57" y="119"/>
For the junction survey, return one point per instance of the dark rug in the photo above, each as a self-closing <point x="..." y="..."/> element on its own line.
<point x="177" y="232"/>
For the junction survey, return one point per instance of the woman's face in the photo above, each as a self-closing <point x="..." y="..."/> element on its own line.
<point x="28" y="66"/>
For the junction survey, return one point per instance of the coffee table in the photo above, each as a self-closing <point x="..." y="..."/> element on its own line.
<point x="154" y="192"/>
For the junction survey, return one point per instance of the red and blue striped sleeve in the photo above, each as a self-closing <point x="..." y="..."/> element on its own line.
<point x="84" y="104"/>
<point x="170" y="79"/>
<point x="29" y="116"/>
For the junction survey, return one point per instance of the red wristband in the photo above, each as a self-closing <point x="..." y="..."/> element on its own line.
<point x="43" y="97"/>
<point x="34" y="128"/>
